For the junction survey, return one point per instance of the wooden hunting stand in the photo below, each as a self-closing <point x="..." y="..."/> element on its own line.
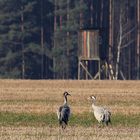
<point x="88" y="57"/>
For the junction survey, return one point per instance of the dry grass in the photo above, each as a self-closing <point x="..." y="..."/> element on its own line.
<point x="43" y="97"/>
<point x="71" y="133"/>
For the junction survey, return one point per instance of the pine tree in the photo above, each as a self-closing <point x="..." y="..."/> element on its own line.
<point x="66" y="25"/>
<point x="18" y="51"/>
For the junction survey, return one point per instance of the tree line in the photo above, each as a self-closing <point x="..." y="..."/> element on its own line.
<point x="38" y="38"/>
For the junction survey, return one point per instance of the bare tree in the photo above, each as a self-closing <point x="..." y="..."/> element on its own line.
<point x="119" y="46"/>
<point x="125" y="43"/>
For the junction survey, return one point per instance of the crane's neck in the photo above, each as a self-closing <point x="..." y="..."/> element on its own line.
<point x="65" y="100"/>
<point x="93" y="104"/>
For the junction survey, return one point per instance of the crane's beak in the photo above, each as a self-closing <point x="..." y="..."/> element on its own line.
<point x="89" y="98"/>
<point x="69" y="94"/>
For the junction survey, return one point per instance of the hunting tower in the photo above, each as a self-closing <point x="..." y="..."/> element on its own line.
<point x="88" y="54"/>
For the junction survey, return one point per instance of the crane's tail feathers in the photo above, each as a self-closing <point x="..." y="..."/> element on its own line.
<point x="109" y="113"/>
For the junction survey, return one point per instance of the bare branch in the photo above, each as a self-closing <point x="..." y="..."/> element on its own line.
<point x="119" y="47"/>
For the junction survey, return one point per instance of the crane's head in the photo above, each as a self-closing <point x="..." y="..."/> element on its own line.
<point x="66" y="93"/>
<point x="92" y="97"/>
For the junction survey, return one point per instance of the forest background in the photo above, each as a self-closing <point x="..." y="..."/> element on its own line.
<point x="39" y="38"/>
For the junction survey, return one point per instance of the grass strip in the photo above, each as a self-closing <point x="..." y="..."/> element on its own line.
<point x="85" y="119"/>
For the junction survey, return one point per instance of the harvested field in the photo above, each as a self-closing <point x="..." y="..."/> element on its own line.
<point x="28" y="109"/>
<point x="44" y="96"/>
<point x="72" y="133"/>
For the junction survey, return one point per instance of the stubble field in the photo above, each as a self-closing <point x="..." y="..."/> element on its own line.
<point x="28" y="109"/>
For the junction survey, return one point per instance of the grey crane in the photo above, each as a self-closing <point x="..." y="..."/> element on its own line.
<point x="101" y="114"/>
<point x="63" y="112"/>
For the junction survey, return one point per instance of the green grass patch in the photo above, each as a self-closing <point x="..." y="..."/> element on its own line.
<point x="126" y="120"/>
<point x="85" y="119"/>
<point x="9" y="118"/>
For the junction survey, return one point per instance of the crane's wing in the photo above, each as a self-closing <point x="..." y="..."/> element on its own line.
<point x="107" y="115"/>
<point x="63" y="113"/>
<point x="99" y="113"/>
<point x="59" y="112"/>
<point x="102" y="114"/>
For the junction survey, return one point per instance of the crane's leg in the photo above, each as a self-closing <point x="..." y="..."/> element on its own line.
<point x="63" y="125"/>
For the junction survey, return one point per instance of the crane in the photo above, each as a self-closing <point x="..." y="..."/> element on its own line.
<point x="63" y="112"/>
<point x="101" y="114"/>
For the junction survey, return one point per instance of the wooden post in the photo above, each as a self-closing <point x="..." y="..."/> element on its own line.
<point x="79" y="71"/>
<point x="87" y="73"/>
<point x="99" y="69"/>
